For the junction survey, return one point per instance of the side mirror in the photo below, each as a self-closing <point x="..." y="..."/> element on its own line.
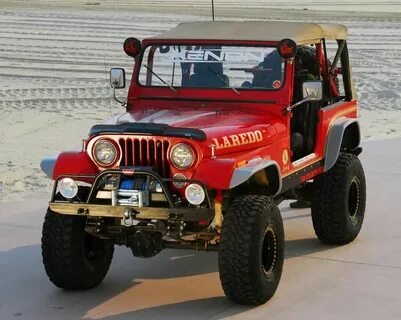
<point x="313" y="90"/>
<point x="117" y="78"/>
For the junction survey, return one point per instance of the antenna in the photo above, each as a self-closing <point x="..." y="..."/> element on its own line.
<point x="213" y="9"/>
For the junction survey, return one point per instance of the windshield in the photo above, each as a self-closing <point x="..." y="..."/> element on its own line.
<point x="206" y="66"/>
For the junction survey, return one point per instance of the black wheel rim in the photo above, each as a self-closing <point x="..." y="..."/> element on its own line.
<point x="269" y="251"/>
<point x="353" y="197"/>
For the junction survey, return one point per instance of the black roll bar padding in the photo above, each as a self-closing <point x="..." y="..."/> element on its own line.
<point x="327" y="80"/>
<point x="346" y="72"/>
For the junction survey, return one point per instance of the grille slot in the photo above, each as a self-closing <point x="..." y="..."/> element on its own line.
<point x="146" y="153"/>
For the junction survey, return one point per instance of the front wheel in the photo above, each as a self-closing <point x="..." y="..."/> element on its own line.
<point x="338" y="202"/>
<point x="73" y="259"/>
<point x="251" y="252"/>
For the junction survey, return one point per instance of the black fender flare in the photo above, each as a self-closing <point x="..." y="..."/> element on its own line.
<point x="242" y="174"/>
<point x="343" y="133"/>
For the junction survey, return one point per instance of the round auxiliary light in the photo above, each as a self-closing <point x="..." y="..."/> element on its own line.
<point x="68" y="188"/>
<point x="287" y="48"/>
<point x="104" y="152"/>
<point x="179" y="184"/>
<point x="132" y="47"/>
<point x="195" y="194"/>
<point x="182" y="156"/>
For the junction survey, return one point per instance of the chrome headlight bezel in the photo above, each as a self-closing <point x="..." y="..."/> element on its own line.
<point x="104" y="143"/>
<point x="186" y="163"/>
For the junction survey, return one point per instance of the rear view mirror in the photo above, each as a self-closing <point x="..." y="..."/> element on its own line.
<point x="117" y="78"/>
<point x="313" y="90"/>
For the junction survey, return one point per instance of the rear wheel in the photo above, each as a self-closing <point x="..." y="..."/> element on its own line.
<point x="73" y="259"/>
<point x="338" y="203"/>
<point x="251" y="253"/>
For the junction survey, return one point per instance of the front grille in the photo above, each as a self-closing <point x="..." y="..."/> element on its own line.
<point x="146" y="152"/>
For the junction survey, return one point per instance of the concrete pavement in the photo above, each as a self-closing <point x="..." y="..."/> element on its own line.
<point x="358" y="281"/>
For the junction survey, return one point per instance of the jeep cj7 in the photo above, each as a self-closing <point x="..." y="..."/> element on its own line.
<point x="224" y="120"/>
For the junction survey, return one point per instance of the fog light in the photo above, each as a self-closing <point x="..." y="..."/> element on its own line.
<point x="195" y="194"/>
<point x="68" y="188"/>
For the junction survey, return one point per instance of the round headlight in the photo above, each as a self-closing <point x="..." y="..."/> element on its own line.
<point x="182" y="156"/>
<point x="68" y="188"/>
<point x="195" y="194"/>
<point x="105" y="152"/>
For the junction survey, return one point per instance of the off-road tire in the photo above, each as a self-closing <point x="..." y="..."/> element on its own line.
<point x="249" y="271"/>
<point x="73" y="259"/>
<point x="338" y="202"/>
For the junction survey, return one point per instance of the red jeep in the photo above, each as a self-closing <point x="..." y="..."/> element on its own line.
<point x="224" y="120"/>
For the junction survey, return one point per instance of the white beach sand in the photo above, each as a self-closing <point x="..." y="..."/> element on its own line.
<point x="55" y="56"/>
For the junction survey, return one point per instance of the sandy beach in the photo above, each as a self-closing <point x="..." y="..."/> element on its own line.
<point x="55" y="57"/>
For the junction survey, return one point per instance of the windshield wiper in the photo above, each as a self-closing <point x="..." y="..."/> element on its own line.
<point x="225" y="82"/>
<point x="158" y="77"/>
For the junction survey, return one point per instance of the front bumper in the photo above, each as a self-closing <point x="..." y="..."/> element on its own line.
<point x="173" y="212"/>
<point x="149" y="213"/>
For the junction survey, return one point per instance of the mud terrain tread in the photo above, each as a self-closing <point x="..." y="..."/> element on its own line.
<point x="329" y="208"/>
<point x="238" y="250"/>
<point x="62" y="253"/>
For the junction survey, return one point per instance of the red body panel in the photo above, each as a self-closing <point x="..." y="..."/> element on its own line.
<point x="220" y="125"/>
<point x="217" y="123"/>
<point x="74" y="163"/>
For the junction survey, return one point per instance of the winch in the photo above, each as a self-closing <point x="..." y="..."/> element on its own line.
<point x="135" y="192"/>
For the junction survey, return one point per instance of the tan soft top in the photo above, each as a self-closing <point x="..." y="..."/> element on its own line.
<point x="301" y="33"/>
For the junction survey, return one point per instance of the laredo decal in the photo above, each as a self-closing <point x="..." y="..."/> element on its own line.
<point x="238" y="139"/>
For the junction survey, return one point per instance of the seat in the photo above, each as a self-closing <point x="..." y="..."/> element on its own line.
<point x="304" y="118"/>
<point x="208" y="75"/>
<point x="266" y="79"/>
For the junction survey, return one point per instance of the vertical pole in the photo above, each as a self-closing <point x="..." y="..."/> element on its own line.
<point x="213" y="9"/>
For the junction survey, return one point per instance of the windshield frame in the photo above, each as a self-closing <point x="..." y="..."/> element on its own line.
<point x="154" y="42"/>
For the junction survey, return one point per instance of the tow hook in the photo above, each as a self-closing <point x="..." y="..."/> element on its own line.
<point x="129" y="218"/>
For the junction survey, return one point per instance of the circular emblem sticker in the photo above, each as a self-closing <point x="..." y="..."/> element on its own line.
<point x="285" y="156"/>
<point x="276" y="84"/>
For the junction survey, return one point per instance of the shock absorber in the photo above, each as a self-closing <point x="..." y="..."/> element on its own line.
<point x="218" y="211"/>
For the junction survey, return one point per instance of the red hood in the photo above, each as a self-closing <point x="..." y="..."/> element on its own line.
<point x="224" y="128"/>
